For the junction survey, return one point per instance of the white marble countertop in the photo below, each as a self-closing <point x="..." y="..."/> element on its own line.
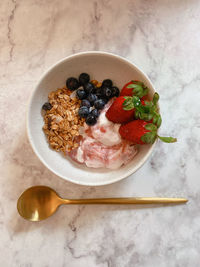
<point x="163" y="39"/>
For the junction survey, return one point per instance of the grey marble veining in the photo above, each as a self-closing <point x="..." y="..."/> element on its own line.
<point x="162" y="38"/>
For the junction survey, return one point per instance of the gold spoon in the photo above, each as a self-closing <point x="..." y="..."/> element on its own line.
<point x="39" y="202"/>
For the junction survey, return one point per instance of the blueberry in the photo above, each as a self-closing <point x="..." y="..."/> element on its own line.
<point x="47" y="106"/>
<point x="99" y="92"/>
<point x="83" y="112"/>
<point x="92" y="98"/>
<point x="91" y="120"/>
<point x="105" y="100"/>
<point x="84" y="78"/>
<point x="99" y="104"/>
<point x="107" y="92"/>
<point x="81" y="94"/>
<point x="95" y="113"/>
<point x="115" y="91"/>
<point x="85" y="103"/>
<point x="107" y="83"/>
<point x="72" y="83"/>
<point x="89" y="88"/>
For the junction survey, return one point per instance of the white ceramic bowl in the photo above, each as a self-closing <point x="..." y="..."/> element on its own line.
<point x="99" y="65"/>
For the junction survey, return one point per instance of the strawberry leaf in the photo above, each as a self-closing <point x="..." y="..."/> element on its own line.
<point x="167" y="139"/>
<point x="139" y="89"/>
<point x="136" y="101"/>
<point x="149" y="138"/>
<point x="146" y="111"/>
<point x="159" y="121"/>
<point x="138" y="82"/>
<point x="137" y="114"/>
<point x="128" y="103"/>
<point x="155" y="98"/>
<point x="145" y="116"/>
<point x="155" y="118"/>
<point x="151" y="127"/>
<point x="148" y="104"/>
<point x="133" y="85"/>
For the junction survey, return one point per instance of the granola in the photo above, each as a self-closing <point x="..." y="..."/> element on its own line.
<point x="62" y="122"/>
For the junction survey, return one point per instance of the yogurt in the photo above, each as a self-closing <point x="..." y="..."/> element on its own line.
<point x="101" y="145"/>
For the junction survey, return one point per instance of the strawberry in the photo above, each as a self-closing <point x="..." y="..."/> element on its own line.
<point x="142" y="132"/>
<point x="144" y="109"/>
<point x="127" y="91"/>
<point x="143" y="99"/>
<point x="116" y="113"/>
<point x="136" y="88"/>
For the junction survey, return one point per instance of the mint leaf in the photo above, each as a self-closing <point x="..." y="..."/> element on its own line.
<point x="167" y="139"/>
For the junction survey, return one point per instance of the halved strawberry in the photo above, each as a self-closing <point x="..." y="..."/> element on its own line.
<point x="116" y="113"/>
<point x="136" y="88"/>
<point x="142" y="132"/>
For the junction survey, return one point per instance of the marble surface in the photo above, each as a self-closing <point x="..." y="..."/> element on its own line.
<point x="162" y="38"/>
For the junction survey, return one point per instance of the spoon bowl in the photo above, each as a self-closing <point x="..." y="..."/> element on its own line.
<point x="38" y="203"/>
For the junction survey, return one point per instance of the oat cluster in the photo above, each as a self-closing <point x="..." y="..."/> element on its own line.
<point x="62" y="122"/>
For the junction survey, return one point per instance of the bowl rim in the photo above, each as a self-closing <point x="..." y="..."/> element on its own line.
<point x="118" y="178"/>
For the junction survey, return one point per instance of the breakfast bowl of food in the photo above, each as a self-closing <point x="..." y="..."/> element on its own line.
<point x="93" y="118"/>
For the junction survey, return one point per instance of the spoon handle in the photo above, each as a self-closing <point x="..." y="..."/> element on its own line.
<point x="132" y="200"/>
